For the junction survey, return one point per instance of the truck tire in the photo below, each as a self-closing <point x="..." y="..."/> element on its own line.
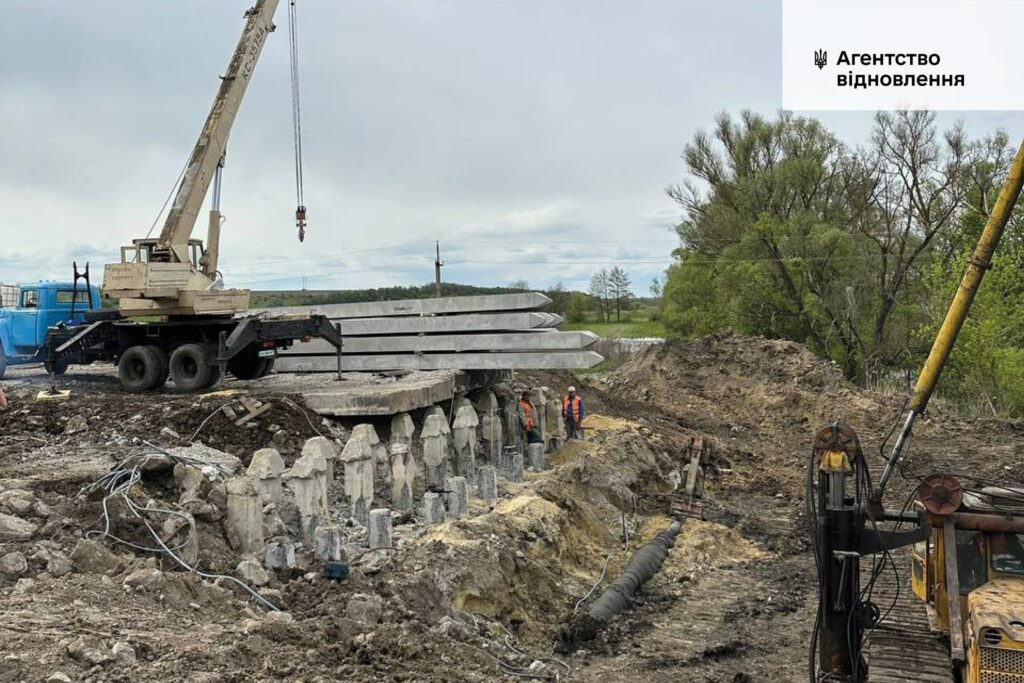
<point x="58" y="368"/>
<point x="266" y="367"/>
<point x="3" y="361"/>
<point x="138" y="368"/>
<point x="246" y="365"/>
<point x="165" y="365"/>
<point x="190" y="368"/>
<point x="214" y="376"/>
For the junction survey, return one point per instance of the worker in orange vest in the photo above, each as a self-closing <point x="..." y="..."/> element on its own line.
<point x="573" y="413"/>
<point x="528" y="419"/>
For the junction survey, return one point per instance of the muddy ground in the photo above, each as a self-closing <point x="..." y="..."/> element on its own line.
<point x="479" y="599"/>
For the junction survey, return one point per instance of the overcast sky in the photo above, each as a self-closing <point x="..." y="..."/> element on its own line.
<point x="533" y="138"/>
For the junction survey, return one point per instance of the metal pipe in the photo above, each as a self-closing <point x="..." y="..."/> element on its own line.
<point x="973" y="521"/>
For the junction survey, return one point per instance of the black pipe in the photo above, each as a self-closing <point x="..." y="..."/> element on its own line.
<point x="644" y="564"/>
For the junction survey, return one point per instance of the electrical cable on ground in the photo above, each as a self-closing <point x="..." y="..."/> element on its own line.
<point x="118" y="484"/>
<point x="596" y="584"/>
<point x="507" y="641"/>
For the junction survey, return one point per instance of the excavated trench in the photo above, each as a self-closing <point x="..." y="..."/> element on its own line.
<point x="481" y="598"/>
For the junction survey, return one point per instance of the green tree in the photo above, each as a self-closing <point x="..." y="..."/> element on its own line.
<point x="559" y="298"/>
<point x="789" y="233"/>
<point x="579" y="304"/>
<point x="619" y="291"/>
<point x="600" y="294"/>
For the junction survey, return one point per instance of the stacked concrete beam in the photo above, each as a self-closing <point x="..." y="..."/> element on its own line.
<point x="420" y="307"/>
<point x="543" y="339"/>
<point x="472" y="333"/>
<point x="546" y="360"/>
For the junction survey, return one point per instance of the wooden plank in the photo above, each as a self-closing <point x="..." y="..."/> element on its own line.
<point x="445" y="305"/>
<point x="551" y="360"/>
<point x="541" y="340"/>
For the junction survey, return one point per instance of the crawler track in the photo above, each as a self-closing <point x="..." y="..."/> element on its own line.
<point x="903" y="648"/>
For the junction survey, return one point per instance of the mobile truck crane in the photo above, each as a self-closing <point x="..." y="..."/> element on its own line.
<point x="967" y="546"/>
<point x="193" y="331"/>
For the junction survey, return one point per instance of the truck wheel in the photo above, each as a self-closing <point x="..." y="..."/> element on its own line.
<point x="3" y="361"/>
<point x="190" y="368"/>
<point x="266" y="367"/>
<point x="245" y="365"/>
<point x="165" y="365"/>
<point x="214" y="376"/>
<point x="138" y="368"/>
<point x="58" y="368"/>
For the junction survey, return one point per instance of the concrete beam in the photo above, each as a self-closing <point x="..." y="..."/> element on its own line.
<point x="551" y="360"/>
<point x="541" y="340"/>
<point x="451" y="304"/>
<point x="353" y="398"/>
<point x="470" y="322"/>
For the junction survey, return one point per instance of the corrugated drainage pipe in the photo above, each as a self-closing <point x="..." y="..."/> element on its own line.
<point x="644" y="564"/>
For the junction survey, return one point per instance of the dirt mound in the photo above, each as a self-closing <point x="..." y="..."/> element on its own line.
<point x="114" y="421"/>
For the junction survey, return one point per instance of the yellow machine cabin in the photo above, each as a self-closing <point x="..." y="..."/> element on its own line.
<point x="989" y="564"/>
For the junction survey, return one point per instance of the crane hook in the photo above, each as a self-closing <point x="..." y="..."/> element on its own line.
<point x="300" y="222"/>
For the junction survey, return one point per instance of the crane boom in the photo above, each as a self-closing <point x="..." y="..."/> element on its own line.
<point x="173" y="274"/>
<point x="209" y="149"/>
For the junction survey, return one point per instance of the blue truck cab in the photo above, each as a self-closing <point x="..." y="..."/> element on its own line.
<point x="40" y="306"/>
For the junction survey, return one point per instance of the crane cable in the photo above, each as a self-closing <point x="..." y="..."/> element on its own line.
<point x="293" y="43"/>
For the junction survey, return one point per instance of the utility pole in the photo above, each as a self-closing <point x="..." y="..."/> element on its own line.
<point x="437" y="269"/>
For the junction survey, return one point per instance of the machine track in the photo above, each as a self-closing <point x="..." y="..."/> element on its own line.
<point x="903" y="648"/>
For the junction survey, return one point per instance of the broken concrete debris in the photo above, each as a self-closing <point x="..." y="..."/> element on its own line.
<point x="325" y="448"/>
<point x="13" y="564"/>
<point x="434" y="440"/>
<point x="266" y="468"/>
<point x="433" y="506"/>
<point x="255" y="514"/>
<point x="538" y="459"/>
<point x="14" y="528"/>
<point x="329" y="543"/>
<point x="251" y="571"/>
<point x="458" y="497"/>
<point x="279" y="556"/>
<point x="359" y="459"/>
<point x="244" y="519"/>
<point x="403" y="476"/>
<point x="487" y="484"/>
<point x="464" y="437"/>
<point x="380" y="529"/>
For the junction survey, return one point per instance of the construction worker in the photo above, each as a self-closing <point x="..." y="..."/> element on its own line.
<point x="573" y="413"/>
<point x="528" y="419"/>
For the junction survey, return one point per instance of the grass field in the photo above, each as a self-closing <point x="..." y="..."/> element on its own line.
<point x="639" y="322"/>
<point x="637" y="328"/>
